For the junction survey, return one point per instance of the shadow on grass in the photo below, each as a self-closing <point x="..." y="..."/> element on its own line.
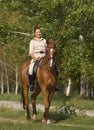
<point x="57" y="117"/>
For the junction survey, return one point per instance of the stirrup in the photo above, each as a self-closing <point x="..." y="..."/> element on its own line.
<point x="56" y="89"/>
<point x="31" y="88"/>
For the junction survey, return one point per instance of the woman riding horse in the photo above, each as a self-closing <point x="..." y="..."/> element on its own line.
<point x="36" y="51"/>
<point x="45" y="82"/>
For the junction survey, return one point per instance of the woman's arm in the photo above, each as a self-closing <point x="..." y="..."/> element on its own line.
<point x="33" y="57"/>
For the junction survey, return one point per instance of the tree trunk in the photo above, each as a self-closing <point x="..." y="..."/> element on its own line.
<point x="7" y="79"/>
<point x="16" y="89"/>
<point x="2" y="83"/>
<point x="68" y="88"/>
<point x="82" y="87"/>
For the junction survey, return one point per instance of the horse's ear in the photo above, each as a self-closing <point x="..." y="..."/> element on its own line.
<point x="47" y="41"/>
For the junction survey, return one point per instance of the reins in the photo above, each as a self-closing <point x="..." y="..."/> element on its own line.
<point x="51" y="47"/>
<point x="47" y="58"/>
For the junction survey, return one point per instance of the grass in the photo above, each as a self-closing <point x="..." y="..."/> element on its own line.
<point x="12" y="114"/>
<point x="58" y="100"/>
<point x="79" y="120"/>
<point x="18" y="122"/>
<point x="37" y="126"/>
<point x="74" y="100"/>
<point x="58" y="120"/>
<point x="10" y="97"/>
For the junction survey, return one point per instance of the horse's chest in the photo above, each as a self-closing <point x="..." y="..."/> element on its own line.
<point x="51" y="81"/>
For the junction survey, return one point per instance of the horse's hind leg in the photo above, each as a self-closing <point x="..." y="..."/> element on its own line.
<point x="26" y="101"/>
<point x="33" y="100"/>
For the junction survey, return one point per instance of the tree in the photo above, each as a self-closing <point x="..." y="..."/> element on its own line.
<point x="65" y="20"/>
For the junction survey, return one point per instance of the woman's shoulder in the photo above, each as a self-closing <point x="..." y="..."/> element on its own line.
<point x="44" y="39"/>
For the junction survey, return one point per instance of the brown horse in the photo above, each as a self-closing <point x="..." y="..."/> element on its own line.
<point x="45" y="83"/>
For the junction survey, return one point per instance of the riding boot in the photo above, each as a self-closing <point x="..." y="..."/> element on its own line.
<point x="31" y="82"/>
<point x="56" y="89"/>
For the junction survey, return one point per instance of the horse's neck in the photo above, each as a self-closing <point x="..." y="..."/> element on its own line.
<point x="45" y="63"/>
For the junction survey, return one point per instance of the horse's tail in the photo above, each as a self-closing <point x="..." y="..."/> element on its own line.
<point x="22" y="98"/>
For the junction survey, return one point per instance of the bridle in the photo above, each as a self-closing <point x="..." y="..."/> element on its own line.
<point x="50" y="58"/>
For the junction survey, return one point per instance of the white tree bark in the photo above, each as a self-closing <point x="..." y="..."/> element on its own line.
<point x="2" y="73"/>
<point x="7" y="81"/>
<point x="82" y="87"/>
<point x="6" y="73"/>
<point x="16" y="89"/>
<point x="2" y="83"/>
<point x="68" y="88"/>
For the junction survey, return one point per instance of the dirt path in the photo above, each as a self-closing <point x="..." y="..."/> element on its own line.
<point x="75" y="125"/>
<point x="63" y="124"/>
<point x="18" y="106"/>
<point x="11" y="120"/>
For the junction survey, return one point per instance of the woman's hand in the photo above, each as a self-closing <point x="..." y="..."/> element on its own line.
<point x="34" y="58"/>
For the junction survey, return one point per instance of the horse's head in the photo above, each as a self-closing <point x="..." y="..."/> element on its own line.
<point x="51" y="52"/>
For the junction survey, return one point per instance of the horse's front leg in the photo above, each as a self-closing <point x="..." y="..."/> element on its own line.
<point x="50" y="96"/>
<point x="26" y="101"/>
<point x="33" y="100"/>
<point x="46" y="116"/>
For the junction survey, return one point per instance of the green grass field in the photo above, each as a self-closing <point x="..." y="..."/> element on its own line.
<point x="15" y="120"/>
<point x="39" y="126"/>
<point x="58" y="100"/>
<point x="11" y="119"/>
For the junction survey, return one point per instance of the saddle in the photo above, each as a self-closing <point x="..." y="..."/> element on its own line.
<point x="36" y="65"/>
<point x="35" y="68"/>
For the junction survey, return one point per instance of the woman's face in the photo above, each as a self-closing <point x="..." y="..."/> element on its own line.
<point x="37" y="33"/>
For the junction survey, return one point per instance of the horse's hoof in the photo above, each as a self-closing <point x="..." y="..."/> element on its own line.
<point x="28" y="119"/>
<point x="34" y="117"/>
<point x="48" y="122"/>
<point x="44" y="121"/>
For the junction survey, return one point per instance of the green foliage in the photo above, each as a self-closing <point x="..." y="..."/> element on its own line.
<point x="64" y="20"/>
<point x="66" y="111"/>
